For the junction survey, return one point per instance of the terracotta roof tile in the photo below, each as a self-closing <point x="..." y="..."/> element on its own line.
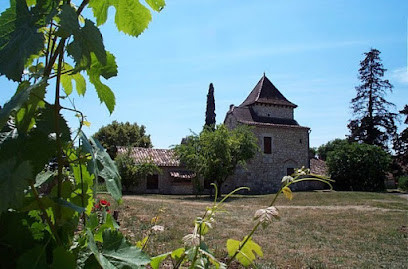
<point x="318" y="167"/>
<point x="160" y="157"/>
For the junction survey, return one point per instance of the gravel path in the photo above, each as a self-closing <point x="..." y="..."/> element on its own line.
<point x="331" y="207"/>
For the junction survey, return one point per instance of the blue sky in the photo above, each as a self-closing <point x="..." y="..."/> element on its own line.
<point x="310" y="50"/>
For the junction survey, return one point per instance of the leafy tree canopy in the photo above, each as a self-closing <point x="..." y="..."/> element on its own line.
<point x="122" y="134"/>
<point x="214" y="155"/>
<point x="373" y="122"/>
<point x="358" y="167"/>
<point x="325" y="149"/>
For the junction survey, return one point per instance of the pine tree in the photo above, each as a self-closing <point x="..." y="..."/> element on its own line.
<point x="210" y="111"/>
<point x="373" y="123"/>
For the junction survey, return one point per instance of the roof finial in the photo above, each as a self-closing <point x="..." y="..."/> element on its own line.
<point x="264" y="74"/>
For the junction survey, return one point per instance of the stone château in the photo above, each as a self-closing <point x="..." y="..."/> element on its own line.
<point x="283" y="142"/>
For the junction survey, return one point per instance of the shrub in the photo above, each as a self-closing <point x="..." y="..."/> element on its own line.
<point x="403" y="183"/>
<point x="358" y="167"/>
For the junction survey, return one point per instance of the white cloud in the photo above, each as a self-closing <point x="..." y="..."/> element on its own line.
<point x="400" y="75"/>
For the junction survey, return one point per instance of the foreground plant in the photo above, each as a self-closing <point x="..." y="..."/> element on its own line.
<point x="197" y="254"/>
<point x="48" y="173"/>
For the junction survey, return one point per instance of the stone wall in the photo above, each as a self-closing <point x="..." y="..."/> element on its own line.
<point x="263" y="174"/>
<point x="166" y="184"/>
<point x="273" y="111"/>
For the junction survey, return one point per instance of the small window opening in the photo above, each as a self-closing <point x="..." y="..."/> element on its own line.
<point x="300" y="141"/>
<point x="290" y="171"/>
<point x="267" y="145"/>
<point x="152" y="182"/>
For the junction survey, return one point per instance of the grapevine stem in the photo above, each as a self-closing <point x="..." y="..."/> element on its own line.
<point x="57" y="109"/>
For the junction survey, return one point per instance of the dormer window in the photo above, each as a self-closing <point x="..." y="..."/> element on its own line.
<point x="267" y="145"/>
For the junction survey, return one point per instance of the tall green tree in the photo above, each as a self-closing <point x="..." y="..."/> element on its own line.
<point x="373" y="122"/>
<point x="214" y="155"/>
<point x="210" y="110"/>
<point x="122" y="134"/>
<point x="400" y="161"/>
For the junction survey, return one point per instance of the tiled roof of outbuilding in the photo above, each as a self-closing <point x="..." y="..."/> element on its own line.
<point x="160" y="157"/>
<point x="318" y="167"/>
<point x="266" y="93"/>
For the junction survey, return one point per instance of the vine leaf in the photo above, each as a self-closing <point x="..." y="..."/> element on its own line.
<point x="19" y="98"/>
<point x="107" y="71"/>
<point x="67" y="78"/>
<point x="33" y="258"/>
<point x="63" y="259"/>
<point x="19" y="39"/>
<point x="100" y="10"/>
<point x="68" y="21"/>
<point x="155" y="262"/>
<point x="248" y="252"/>
<point x="43" y="177"/>
<point x="288" y="193"/>
<point x="87" y="40"/>
<point x="131" y="16"/>
<point x="157" y="5"/>
<point x="109" y="171"/>
<point x="116" y="252"/>
<point x="14" y="180"/>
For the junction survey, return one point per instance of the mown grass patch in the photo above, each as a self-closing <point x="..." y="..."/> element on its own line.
<point x="317" y="229"/>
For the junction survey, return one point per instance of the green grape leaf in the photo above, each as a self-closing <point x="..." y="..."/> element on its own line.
<point x="80" y="84"/>
<point x="247" y="254"/>
<point x="100" y="10"/>
<point x="25" y="118"/>
<point x="70" y="75"/>
<point x="119" y="252"/>
<point x="68" y="21"/>
<point x="107" y="71"/>
<point x="19" y="39"/>
<point x="156" y="261"/>
<point x="109" y="171"/>
<point x="21" y="96"/>
<point x="92" y="221"/>
<point x="178" y="253"/>
<point x="46" y="123"/>
<point x="63" y="259"/>
<point x="131" y="17"/>
<point x="72" y="206"/>
<point x="33" y="258"/>
<point x="156" y="5"/>
<point x="86" y="41"/>
<point x="14" y="180"/>
<point x="110" y="223"/>
<point x="43" y="177"/>
<point x="116" y="252"/>
<point x="66" y="82"/>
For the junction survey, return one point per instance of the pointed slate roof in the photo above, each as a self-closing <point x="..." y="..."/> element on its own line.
<point x="266" y="93"/>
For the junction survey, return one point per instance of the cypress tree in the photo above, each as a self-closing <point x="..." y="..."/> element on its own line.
<point x="210" y="111"/>
<point x="373" y="123"/>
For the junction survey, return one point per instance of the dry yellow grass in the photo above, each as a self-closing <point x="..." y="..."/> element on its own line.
<point x="317" y="229"/>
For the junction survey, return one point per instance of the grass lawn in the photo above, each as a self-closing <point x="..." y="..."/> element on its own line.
<point x="316" y="230"/>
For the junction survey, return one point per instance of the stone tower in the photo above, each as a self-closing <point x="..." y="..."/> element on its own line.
<point x="283" y="142"/>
